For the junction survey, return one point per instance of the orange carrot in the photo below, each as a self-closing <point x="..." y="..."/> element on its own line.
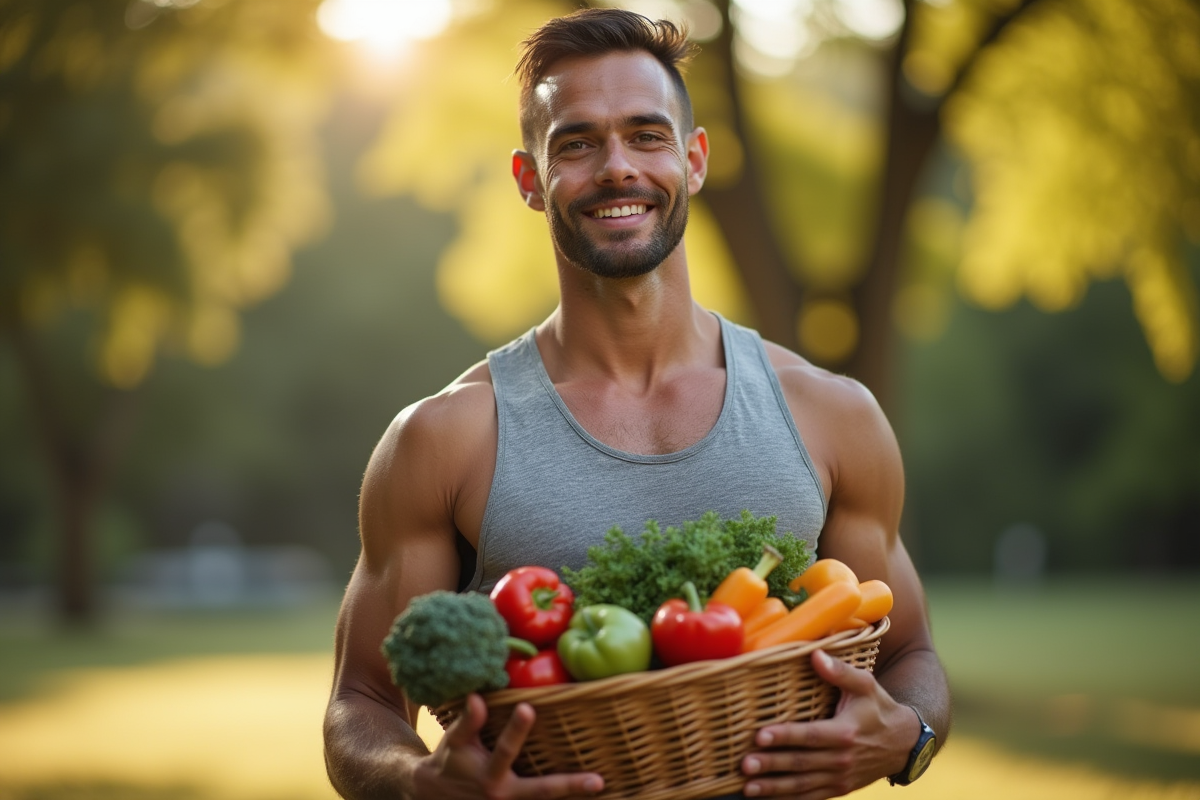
<point x="814" y="618"/>
<point x="875" y="604"/>
<point x="744" y="589"/>
<point x="851" y="624"/>
<point x="876" y="601"/>
<point x="768" y="611"/>
<point x="820" y="574"/>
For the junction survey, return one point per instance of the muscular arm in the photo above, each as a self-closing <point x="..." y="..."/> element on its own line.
<point x="862" y="529"/>
<point x="426" y="482"/>
<point x="407" y="527"/>
<point x="858" y="461"/>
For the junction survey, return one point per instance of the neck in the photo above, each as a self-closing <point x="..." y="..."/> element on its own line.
<point x="629" y="329"/>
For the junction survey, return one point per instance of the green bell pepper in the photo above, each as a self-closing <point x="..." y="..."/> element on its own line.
<point x="604" y="640"/>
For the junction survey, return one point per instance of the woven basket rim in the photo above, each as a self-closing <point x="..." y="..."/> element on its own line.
<point x="605" y="687"/>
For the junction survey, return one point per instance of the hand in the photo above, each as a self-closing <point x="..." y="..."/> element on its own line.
<point x="461" y="767"/>
<point x="868" y="737"/>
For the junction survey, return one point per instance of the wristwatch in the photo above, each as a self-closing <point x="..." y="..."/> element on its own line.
<point x="919" y="758"/>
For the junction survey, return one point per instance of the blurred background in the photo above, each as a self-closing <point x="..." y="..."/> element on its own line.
<point x="238" y="236"/>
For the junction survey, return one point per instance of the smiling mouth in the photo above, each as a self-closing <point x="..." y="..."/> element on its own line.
<point x="630" y="210"/>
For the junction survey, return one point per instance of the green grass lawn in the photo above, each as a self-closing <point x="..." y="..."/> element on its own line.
<point x="34" y="649"/>
<point x="1100" y="670"/>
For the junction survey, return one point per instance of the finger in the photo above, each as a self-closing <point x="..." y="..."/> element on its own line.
<point x="466" y="728"/>
<point x="508" y="747"/>
<point x="837" y="672"/>
<point x="571" y="784"/>
<point x="806" y="786"/>
<point x="795" y="761"/>
<point x="825" y="733"/>
<point x="511" y="740"/>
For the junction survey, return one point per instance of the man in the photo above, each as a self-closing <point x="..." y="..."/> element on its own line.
<point x="629" y="402"/>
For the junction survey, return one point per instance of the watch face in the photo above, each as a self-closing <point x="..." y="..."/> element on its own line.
<point x="921" y="762"/>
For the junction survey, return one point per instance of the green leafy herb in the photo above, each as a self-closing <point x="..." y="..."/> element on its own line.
<point x="641" y="574"/>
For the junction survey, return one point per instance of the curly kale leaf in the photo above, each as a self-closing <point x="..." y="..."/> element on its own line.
<point x="640" y="574"/>
<point x="445" y="646"/>
<point x="750" y="534"/>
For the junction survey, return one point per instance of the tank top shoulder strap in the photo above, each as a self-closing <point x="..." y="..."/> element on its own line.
<point x="761" y="390"/>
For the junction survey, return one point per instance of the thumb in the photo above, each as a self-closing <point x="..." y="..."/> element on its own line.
<point x="845" y="677"/>
<point x="466" y="728"/>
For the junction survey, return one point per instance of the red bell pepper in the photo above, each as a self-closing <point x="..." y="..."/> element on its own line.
<point x="685" y="631"/>
<point x="535" y="603"/>
<point x="528" y="667"/>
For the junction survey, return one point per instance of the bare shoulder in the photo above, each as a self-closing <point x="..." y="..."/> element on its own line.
<point x="817" y="392"/>
<point x="451" y="417"/>
<point x="429" y="473"/>
<point x="847" y="435"/>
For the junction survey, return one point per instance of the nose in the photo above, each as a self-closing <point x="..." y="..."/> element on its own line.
<point x="616" y="168"/>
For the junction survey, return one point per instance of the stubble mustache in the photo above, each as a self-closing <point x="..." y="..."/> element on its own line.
<point x="611" y="195"/>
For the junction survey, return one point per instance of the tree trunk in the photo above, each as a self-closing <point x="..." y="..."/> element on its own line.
<point x="912" y="129"/>
<point x="741" y="212"/>
<point x="75" y="579"/>
<point x="80" y="464"/>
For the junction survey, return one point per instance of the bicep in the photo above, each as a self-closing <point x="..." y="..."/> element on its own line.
<point x="863" y="525"/>
<point x="408" y="549"/>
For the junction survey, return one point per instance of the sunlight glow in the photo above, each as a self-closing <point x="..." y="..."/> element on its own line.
<point x="871" y="19"/>
<point x="771" y="35"/>
<point x="383" y="26"/>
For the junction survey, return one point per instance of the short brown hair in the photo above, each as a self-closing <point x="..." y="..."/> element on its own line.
<point x="596" y="31"/>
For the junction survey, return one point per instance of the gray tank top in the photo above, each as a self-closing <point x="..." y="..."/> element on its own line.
<point x="557" y="489"/>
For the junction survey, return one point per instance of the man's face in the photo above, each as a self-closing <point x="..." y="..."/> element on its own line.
<point x="615" y="168"/>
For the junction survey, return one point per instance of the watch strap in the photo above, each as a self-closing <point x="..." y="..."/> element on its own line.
<point x="919" y="757"/>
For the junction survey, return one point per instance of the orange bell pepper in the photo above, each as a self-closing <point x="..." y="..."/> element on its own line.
<point x="820" y="574"/>
<point x="768" y="611"/>
<point x="744" y="589"/>
<point x="816" y="617"/>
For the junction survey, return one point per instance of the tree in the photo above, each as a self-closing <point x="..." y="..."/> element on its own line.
<point x="158" y="164"/>
<point x="1057" y="107"/>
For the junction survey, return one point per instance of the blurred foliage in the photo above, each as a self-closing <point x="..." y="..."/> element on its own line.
<point x="1054" y="421"/>
<point x="274" y="441"/>
<point x="144" y="179"/>
<point x="147" y="195"/>
<point x="1082" y="126"/>
<point x="824" y="155"/>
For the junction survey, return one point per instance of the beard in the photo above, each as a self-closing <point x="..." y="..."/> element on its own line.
<point x="619" y="260"/>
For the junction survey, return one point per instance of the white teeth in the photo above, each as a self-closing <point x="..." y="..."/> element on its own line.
<point x="623" y="211"/>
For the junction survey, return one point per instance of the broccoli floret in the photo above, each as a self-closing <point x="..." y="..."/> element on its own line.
<point x="445" y="646"/>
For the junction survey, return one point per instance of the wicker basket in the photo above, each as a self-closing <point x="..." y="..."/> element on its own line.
<point x="678" y="733"/>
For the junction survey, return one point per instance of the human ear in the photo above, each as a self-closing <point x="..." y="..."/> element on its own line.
<point x="524" y="170"/>
<point x="697" y="159"/>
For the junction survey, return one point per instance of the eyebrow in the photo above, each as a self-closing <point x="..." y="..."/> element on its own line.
<point x="633" y="121"/>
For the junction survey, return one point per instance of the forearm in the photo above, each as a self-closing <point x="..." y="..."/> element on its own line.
<point x="918" y="679"/>
<point x="370" y="750"/>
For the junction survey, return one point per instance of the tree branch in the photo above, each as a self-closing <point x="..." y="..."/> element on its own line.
<point x="741" y="211"/>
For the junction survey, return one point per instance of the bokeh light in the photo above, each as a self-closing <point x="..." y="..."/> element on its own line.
<point x="385" y="27"/>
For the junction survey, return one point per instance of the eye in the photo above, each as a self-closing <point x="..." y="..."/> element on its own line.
<point x="646" y="137"/>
